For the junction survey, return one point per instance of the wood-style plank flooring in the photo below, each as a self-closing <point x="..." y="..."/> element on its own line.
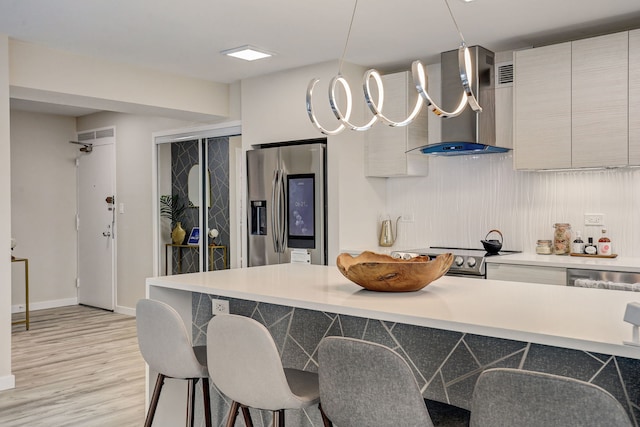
<point x="76" y="366"/>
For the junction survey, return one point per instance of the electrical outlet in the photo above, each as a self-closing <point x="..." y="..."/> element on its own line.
<point x="596" y="219"/>
<point x="220" y="306"/>
<point x="407" y="218"/>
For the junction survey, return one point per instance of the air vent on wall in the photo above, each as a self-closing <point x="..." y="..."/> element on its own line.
<point x="86" y="136"/>
<point x="90" y="135"/>
<point x="105" y="133"/>
<point x="504" y="74"/>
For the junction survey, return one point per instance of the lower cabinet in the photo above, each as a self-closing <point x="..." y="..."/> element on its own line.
<point x="527" y="273"/>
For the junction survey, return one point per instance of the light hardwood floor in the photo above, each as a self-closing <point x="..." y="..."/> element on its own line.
<point x="76" y="366"/>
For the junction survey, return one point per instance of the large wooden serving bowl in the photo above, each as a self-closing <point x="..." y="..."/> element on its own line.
<point x="383" y="273"/>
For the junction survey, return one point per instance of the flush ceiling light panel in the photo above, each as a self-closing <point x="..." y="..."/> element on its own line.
<point x="247" y="52"/>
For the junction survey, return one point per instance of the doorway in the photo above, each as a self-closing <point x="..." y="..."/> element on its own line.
<point x="96" y="219"/>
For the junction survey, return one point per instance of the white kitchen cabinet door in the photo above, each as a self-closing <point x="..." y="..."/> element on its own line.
<point x="385" y="146"/>
<point x="634" y="97"/>
<point x="542" y="107"/>
<point x="527" y="273"/>
<point x="599" y="99"/>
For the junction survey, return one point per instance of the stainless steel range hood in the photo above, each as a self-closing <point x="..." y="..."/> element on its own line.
<point x="470" y="132"/>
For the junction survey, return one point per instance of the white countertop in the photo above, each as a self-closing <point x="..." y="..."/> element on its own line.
<point x="570" y="317"/>
<point x="620" y="263"/>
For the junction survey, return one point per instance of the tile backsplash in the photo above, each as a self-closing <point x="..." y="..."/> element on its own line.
<point x="464" y="197"/>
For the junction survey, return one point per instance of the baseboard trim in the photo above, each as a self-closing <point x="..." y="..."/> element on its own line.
<point x="42" y="305"/>
<point x="7" y="382"/>
<point x="125" y="310"/>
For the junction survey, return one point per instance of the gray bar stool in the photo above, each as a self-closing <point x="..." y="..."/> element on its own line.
<point x="368" y="384"/>
<point x="244" y="364"/>
<point x="513" y="397"/>
<point x="165" y="345"/>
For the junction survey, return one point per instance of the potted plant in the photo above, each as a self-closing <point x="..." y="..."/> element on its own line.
<point x="172" y="208"/>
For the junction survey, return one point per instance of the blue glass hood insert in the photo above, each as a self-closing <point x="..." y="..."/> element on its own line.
<point x="459" y="149"/>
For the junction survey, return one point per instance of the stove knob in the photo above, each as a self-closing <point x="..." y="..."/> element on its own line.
<point x="458" y="261"/>
<point x="396" y="255"/>
<point x="471" y="262"/>
<point x="406" y="256"/>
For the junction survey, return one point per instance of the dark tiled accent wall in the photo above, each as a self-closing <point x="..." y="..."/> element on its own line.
<point x="445" y="363"/>
<point x="183" y="156"/>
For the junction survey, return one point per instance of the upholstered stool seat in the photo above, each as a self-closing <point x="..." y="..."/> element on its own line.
<point x="368" y="384"/>
<point x="513" y="397"/>
<point x="244" y="364"/>
<point x="166" y="346"/>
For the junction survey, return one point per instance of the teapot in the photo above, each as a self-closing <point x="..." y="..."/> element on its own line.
<point x="492" y="246"/>
<point x="387" y="235"/>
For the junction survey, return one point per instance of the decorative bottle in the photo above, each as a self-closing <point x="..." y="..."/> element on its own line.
<point x="590" y="249"/>
<point x="577" y="247"/>
<point x="604" y="244"/>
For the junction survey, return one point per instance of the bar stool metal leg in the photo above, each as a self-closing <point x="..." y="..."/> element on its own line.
<point x="207" y="402"/>
<point x="278" y="418"/>
<point x="248" y="422"/>
<point x="154" y="400"/>
<point x="191" y="400"/>
<point x="326" y="422"/>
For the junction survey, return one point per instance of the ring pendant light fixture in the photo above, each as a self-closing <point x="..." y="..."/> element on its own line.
<point x="419" y="75"/>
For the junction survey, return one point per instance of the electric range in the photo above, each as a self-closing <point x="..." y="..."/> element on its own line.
<point x="466" y="262"/>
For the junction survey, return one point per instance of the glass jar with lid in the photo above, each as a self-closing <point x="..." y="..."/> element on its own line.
<point x="544" y="247"/>
<point x="562" y="238"/>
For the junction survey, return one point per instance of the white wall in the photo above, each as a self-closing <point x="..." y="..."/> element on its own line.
<point x="133" y="188"/>
<point x="273" y="110"/>
<point x="465" y="197"/>
<point x="43" y="208"/>
<point x="44" y="74"/>
<point x="7" y="380"/>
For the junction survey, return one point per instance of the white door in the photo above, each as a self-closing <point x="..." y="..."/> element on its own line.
<point x="96" y="225"/>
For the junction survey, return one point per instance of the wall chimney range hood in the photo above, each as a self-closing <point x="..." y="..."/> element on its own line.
<point x="470" y="132"/>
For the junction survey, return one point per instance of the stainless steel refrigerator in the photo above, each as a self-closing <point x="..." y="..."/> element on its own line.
<point x="287" y="203"/>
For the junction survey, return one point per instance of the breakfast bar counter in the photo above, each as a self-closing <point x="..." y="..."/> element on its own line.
<point x="576" y="318"/>
<point x="449" y="332"/>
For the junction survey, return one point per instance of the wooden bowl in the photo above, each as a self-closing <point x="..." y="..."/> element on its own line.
<point x="377" y="272"/>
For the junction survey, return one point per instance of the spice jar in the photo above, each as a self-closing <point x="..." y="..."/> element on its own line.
<point x="543" y="247"/>
<point x="562" y="238"/>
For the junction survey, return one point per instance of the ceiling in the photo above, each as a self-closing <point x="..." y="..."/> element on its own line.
<point x="186" y="37"/>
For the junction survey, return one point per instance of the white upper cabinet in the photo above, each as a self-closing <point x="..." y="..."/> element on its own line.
<point x="571" y="104"/>
<point x="542" y="107"/>
<point x="600" y="94"/>
<point x="634" y="97"/>
<point x="385" y="146"/>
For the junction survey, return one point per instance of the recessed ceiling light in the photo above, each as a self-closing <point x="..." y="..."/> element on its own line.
<point x="247" y="52"/>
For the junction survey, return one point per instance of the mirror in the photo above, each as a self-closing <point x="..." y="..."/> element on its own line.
<point x="194" y="187"/>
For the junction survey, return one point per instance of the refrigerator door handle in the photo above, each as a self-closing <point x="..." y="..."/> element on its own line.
<point x="274" y="225"/>
<point x="282" y="214"/>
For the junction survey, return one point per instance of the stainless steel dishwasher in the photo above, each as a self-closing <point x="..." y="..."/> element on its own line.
<point x="616" y="280"/>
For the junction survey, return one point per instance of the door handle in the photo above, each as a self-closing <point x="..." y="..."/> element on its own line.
<point x="283" y="213"/>
<point x="274" y="230"/>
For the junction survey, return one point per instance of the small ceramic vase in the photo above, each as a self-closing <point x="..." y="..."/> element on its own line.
<point x="178" y="234"/>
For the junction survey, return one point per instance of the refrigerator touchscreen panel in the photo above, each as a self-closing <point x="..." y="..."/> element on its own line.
<point x="301" y="228"/>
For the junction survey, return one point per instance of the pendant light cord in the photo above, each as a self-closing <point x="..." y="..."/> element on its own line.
<point x="346" y="43"/>
<point x="453" y="18"/>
